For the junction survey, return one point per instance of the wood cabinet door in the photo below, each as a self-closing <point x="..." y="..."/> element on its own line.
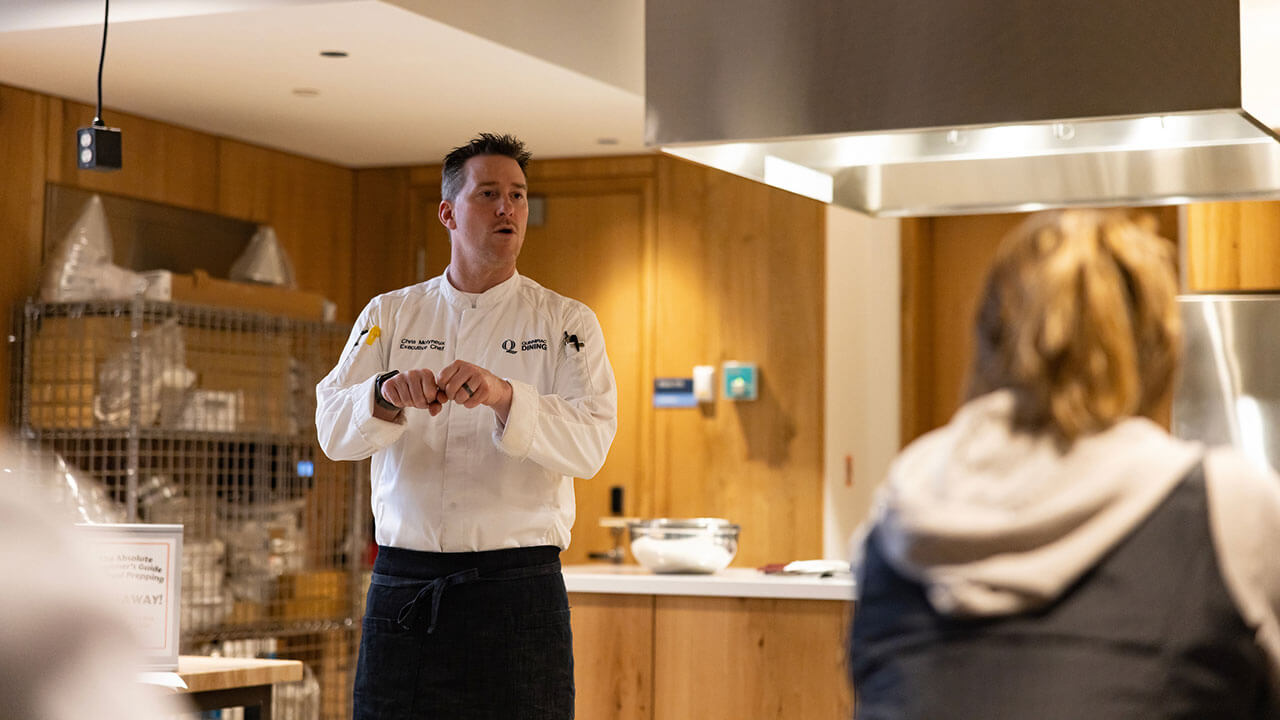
<point x="613" y="656"/>
<point x="734" y="658"/>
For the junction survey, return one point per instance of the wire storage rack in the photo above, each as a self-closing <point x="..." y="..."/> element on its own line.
<point x="204" y="416"/>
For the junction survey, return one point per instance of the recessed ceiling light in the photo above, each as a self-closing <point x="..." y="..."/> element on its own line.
<point x="333" y="53"/>
<point x="306" y="92"/>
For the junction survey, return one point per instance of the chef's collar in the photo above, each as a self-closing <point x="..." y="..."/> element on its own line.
<point x="488" y="298"/>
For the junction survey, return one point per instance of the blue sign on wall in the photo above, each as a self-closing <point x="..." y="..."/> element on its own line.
<point x="673" y="393"/>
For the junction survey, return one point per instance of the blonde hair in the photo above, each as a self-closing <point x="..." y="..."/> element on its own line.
<point x="1079" y="319"/>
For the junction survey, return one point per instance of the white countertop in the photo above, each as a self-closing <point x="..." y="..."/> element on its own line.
<point x="730" y="582"/>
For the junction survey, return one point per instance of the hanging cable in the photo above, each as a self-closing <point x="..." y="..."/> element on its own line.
<point x="102" y="56"/>
<point x="99" y="147"/>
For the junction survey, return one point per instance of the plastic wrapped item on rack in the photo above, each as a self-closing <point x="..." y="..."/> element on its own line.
<point x="302" y="394"/>
<point x="264" y="261"/>
<point x="200" y="615"/>
<point x="207" y="411"/>
<point x="263" y="543"/>
<point x="204" y="567"/>
<point x="163" y="378"/>
<point x="297" y="700"/>
<point x="78" y="497"/>
<point x="80" y="268"/>
<point x="161" y="500"/>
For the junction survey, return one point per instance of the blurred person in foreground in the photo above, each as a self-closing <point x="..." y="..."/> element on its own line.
<point x="1052" y="552"/>
<point x="480" y="395"/>
<point x="66" y="652"/>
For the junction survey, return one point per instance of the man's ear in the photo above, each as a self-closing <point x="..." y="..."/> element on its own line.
<point x="446" y="215"/>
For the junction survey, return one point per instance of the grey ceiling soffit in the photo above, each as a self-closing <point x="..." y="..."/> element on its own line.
<point x="919" y="107"/>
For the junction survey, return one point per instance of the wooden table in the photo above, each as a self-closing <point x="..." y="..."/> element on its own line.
<point x="220" y="682"/>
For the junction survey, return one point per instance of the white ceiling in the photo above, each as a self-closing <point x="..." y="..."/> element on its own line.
<point x="422" y="76"/>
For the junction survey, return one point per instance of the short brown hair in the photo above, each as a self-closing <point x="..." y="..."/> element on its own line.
<point x="483" y="144"/>
<point x="1079" y="320"/>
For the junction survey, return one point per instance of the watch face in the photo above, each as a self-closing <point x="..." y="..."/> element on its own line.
<point x="378" y="399"/>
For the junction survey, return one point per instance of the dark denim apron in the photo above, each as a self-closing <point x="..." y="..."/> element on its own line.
<point x="466" y="635"/>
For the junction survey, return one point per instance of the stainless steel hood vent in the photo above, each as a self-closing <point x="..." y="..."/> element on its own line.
<point x="919" y="107"/>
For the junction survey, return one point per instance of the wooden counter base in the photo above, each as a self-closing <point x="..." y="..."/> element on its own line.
<point x="653" y="657"/>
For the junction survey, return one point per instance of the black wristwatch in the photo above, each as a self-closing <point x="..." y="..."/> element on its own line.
<point x="377" y="391"/>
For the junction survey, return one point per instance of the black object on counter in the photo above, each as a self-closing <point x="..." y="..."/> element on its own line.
<point x="615" y="500"/>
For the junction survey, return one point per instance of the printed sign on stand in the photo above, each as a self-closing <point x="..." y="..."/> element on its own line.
<point x="144" y="564"/>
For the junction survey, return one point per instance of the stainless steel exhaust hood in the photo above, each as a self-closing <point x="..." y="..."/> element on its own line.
<point x="920" y="107"/>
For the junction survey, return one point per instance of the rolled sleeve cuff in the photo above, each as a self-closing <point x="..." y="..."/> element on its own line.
<point x="516" y="438"/>
<point x="377" y="432"/>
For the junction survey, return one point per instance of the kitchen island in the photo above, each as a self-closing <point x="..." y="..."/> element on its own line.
<point x="735" y="644"/>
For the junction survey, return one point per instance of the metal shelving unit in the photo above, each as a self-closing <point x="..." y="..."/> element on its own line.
<point x="205" y="416"/>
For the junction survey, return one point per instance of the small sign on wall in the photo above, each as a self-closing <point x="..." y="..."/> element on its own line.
<point x="143" y="563"/>
<point x="741" y="381"/>
<point x="673" y="393"/>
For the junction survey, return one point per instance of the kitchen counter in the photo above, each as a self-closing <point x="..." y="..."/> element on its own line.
<point x="730" y="582"/>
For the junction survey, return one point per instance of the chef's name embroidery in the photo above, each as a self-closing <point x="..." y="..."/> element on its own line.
<point x="421" y="344"/>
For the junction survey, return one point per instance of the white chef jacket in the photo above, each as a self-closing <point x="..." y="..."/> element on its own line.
<point x="462" y="481"/>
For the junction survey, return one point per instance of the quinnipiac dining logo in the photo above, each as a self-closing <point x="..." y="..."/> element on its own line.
<point x="525" y="345"/>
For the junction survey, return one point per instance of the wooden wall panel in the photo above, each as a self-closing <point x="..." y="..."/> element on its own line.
<point x="962" y="248"/>
<point x="542" y="170"/>
<point x="917" y="320"/>
<point x="162" y="163"/>
<point x="23" y="115"/>
<point x="310" y="205"/>
<point x="611" y="168"/>
<point x="613" y="656"/>
<point x="740" y="276"/>
<point x="733" y="658"/>
<point x="384" y="256"/>
<point x="1233" y="246"/>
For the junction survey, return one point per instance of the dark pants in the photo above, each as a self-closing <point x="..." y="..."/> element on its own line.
<point x="466" y="635"/>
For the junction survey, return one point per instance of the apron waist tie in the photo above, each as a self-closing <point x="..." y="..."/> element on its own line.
<point x="436" y="588"/>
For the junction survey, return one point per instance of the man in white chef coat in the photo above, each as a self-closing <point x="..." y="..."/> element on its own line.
<point x="480" y="395"/>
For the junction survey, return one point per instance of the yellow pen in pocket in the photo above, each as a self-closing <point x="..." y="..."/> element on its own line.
<point x="374" y="332"/>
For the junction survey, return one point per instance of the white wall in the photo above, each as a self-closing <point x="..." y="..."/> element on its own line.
<point x="863" y="305"/>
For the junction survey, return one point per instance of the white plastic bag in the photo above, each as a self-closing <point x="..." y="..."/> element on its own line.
<point x="264" y="261"/>
<point x="163" y="378"/>
<point x="80" y="269"/>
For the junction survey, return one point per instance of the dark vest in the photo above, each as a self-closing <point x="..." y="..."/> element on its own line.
<point x="1149" y="633"/>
